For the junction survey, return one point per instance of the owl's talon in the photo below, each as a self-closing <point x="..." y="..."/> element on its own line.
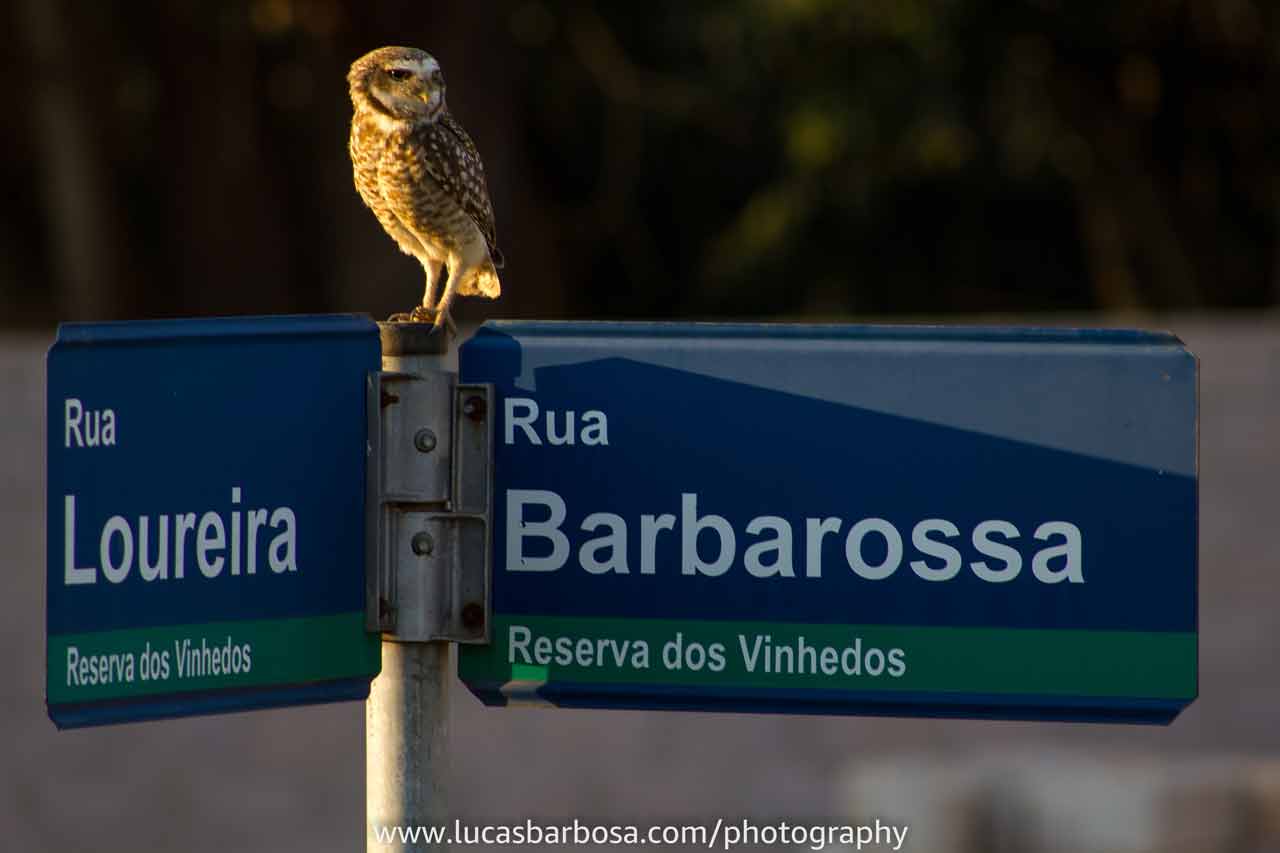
<point x="423" y="314"/>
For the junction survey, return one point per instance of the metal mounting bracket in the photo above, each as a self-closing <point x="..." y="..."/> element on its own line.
<point x="428" y="507"/>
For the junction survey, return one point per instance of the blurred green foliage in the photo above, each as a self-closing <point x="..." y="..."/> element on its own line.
<point x="672" y="159"/>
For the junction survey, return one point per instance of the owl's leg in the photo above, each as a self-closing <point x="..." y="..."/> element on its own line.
<point x="432" y="268"/>
<point x="457" y="268"/>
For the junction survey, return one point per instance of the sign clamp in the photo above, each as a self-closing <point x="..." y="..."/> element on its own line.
<point x="428" y="507"/>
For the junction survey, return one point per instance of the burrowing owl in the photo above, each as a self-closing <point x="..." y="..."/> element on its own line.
<point x="419" y="172"/>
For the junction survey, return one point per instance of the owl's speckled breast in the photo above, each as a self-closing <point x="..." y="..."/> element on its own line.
<point x="407" y="182"/>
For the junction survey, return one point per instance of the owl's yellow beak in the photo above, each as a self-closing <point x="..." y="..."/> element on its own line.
<point x="428" y="92"/>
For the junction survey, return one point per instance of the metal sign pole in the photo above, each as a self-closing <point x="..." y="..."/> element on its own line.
<point x="407" y="713"/>
<point x="406" y="743"/>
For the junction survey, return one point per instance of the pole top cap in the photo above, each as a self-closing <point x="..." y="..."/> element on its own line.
<point x="413" y="338"/>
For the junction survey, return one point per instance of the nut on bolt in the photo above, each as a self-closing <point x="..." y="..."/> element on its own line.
<point x="474" y="408"/>
<point x="472" y="616"/>
<point x="422" y="544"/>
<point x="425" y="440"/>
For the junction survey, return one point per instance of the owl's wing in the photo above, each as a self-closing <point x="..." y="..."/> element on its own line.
<point x="451" y="158"/>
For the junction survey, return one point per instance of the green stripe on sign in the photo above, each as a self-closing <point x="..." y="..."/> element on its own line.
<point x="1130" y="664"/>
<point x="211" y="656"/>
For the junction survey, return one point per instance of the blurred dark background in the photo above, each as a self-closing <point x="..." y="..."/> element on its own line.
<point x="815" y="158"/>
<point x="762" y="158"/>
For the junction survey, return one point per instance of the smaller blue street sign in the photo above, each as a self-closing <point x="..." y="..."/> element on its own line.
<point x="206" y="483"/>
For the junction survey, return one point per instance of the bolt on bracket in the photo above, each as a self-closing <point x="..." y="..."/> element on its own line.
<point x="428" y="507"/>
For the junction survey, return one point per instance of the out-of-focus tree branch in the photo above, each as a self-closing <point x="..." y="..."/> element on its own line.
<point x="78" y="207"/>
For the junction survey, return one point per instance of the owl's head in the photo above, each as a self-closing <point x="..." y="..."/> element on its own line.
<point x="402" y="82"/>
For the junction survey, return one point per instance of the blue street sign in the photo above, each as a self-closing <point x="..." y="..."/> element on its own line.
<point x="842" y="519"/>
<point x="206" y="538"/>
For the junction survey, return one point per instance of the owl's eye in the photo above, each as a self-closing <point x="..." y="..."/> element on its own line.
<point x="399" y="73"/>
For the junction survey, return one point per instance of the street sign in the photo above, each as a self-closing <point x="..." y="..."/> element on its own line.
<point x="206" y="538"/>
<point x="841" y="519"/>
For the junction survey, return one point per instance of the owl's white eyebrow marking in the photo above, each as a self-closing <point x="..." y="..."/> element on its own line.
<point x="421" y="68"/>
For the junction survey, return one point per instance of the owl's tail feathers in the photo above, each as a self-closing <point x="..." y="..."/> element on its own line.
<point x="483" y="282"/>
